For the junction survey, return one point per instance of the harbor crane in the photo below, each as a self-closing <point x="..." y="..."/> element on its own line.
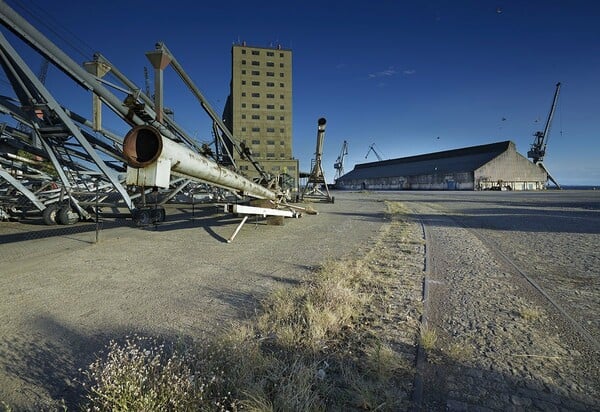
<point x="339" y="162"/>
<point x="372" y="149"/>
<point x="538" y="148"/>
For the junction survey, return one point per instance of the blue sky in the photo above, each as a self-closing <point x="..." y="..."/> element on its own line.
<point x="412" y="77"/>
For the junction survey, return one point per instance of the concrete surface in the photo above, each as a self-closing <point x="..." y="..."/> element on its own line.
<point x="63" y="297"/>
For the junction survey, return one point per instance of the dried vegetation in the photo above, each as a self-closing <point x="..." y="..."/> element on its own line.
<point x="330" y="343"/>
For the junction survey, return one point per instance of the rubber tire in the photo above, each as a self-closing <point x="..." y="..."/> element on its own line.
<point x="66" y="216"/>
<point x="50" y="215"/>
<point x="158" y="215"/>
<point x="141" y="217"/>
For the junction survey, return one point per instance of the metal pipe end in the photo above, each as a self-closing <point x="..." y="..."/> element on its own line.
<point x="142" y="146"/>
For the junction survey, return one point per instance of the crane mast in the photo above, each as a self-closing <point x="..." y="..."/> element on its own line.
<point x="339" y="162"/>
<point x="538" y="147"/>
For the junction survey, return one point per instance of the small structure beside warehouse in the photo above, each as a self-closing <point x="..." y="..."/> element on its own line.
<point x="495" y="166"/>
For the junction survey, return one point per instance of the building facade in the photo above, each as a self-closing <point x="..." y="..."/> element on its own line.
<point x="258" y="111"/>
<point x="495" y="166"/>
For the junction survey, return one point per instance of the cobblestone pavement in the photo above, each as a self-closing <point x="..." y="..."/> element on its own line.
<point x="501" y="345"/>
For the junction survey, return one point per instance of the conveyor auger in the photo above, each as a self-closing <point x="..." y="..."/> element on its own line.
<point x="316" y="180"/>
<point x="151" y="158"/>
<point x="154" y="149"/>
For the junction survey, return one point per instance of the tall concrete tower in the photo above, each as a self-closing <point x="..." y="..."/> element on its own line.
<point x="259" y="108"/>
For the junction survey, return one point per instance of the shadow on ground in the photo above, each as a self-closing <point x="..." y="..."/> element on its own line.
<point x="44" y="371"/>
<point x="453" y="385"/>
<point x="523" y="220"/>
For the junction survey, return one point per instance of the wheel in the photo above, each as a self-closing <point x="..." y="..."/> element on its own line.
<point x="332" y="199"/>
<point x="66" y="216"/>
<point x="158" y="214"/>
<point x="49" y="215"/>
<point x="141" y="217"/>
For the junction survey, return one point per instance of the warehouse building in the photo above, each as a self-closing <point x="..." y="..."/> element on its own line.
<point x="495" y="166"/>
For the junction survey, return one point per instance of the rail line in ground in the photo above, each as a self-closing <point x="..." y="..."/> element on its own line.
<point x="570" y="322"/>
<point x="492" y="245"/>
<point x="417" y="395"/>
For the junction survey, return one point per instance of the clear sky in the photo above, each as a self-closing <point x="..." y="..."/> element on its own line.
<point x="412" y="77"/>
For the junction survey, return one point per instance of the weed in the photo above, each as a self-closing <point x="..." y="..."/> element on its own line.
<point x="383" y="361"/>
<point x="312" y="347"/>
<point x="530" y="313"/>
<point x="395" y="208"/>
<point x="427" y="338"/>
<point x="144" y="374"/>
<point x="459" y="352"/>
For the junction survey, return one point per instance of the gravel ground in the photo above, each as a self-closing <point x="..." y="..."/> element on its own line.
<point x="501" y="345"/>
<point x="62" y="297"/>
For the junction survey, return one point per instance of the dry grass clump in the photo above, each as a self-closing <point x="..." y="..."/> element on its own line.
<point x="317" y="346"/>
<point x="427" y="338"/>
<point x="382" y="361"/>
<point x="366" y="394"/>
<point x="312" y="315"/>
<point x="395" y="208"/>
<point x="530" y="313"/>
<point x="5" y="407"/>
<point x="459" y="352"/>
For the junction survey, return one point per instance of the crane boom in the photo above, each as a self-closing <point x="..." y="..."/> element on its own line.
<point x="372" y="149"/>
<point x="538" y="147"/>
<point x="339" y="162"/>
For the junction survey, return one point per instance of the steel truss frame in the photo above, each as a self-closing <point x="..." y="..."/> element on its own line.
<point x="85" y="162"/>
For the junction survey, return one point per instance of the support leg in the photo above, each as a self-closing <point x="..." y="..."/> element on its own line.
<point x="237" y="229"/>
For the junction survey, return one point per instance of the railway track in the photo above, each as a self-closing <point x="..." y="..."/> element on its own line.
<point x="577" y="326"/>
<point x="536" y="287"/>
<point x="433" y="217"/>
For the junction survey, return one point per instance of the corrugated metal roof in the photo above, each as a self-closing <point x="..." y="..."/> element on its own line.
<point x="462" y="160"/>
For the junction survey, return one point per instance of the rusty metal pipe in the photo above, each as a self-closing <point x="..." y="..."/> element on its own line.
<point x="320" y="137"/>
<point x="144" y="147"/>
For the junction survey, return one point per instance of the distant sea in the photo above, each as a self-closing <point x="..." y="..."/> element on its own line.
<point x="576" y="187"/>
